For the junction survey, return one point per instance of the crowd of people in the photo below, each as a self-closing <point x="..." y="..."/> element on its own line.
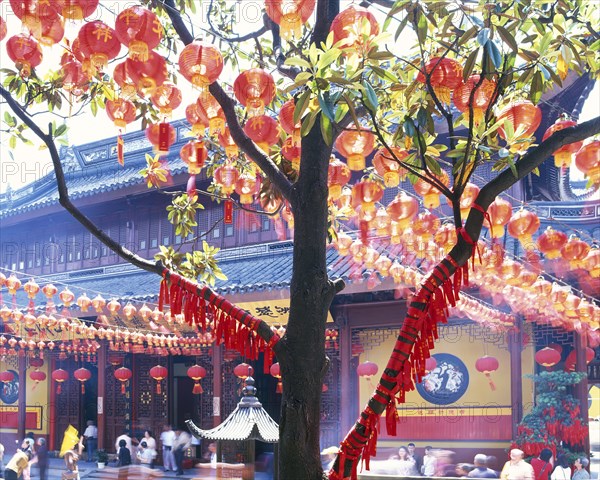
<point x="441" y="463"/>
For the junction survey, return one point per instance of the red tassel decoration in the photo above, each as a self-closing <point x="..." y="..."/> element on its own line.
<point x="364" y="232"/>
<point x="279" y="388"/>
<point x="82" y="388"/>
<point x="491" y="382"/>
<point x="123" y="388"/>
<point x="120" y="150"/>
<point x="197" y="389"/>
<point x="158" y="390"/>
<point x="58" y="389"/>
<point x="191" y="186"/>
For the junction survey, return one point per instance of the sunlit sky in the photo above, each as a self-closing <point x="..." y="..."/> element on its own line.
<point x="26" y="164"/>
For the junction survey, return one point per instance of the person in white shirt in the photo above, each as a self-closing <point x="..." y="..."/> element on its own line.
<point x="429" y="462"/>
<point x="167" y="437"/>
<point x="562" y="471"/>
<point x="91" y="438"/>
<point x="146" y="455"/>
<point x="182" y="442"/>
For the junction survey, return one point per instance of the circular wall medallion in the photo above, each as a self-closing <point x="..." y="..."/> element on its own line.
<point x="9" y="392"/>
<point x="447" y="382"/>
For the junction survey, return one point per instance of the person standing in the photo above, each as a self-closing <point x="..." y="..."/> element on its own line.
<point x="580" y="472"/>
<point x="1" y="461"/>
<point x="91" y="438"/>
<point x="41" y="458"/>
<point x="123" y="454"/>
<point x="150" y="445"/>
<point x="128" y="443"/>
<point x="71" y="459"/>
<point x="18" y="463"/>
<point x="415" y="456"/>
<point x="429" y="462"/>
<point x="182" y="442"/>
<point x="517" y="468"/>
<point x="405" y="465"/>
<point x="562" y="471"/>
<point x="542" y="465"/>
<point x="167" y="437"/>
<point x="481" y="470"/>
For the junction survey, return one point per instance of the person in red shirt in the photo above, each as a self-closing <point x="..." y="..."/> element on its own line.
<point x="542" y="466"/>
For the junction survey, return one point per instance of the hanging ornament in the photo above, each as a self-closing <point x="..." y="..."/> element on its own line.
<point x="290" y="16"/>
<point x="59" y="376"/>
<point x="275" y="372"/>
<point x="123" y="374"/>
<point x="25" y="51"/>
<point x="352" y="25"/>
<point x="158" y="373"/>
<point x="37" y="377"/>
<point x="196" y="373"/>
<point x="83" y="375"/>
<point x="140" y="30"/>
<point x="32" y="289"/>
<point x="354" y="145"/>
<point x="78" y="9"/>
<point x="255" y="89"/>
<point x="201" y="64"/>
<point x="563" y="156"/>
<point x="99" y="43"/>
<point x="487" y="365"/>
<point x="445" y="75"/>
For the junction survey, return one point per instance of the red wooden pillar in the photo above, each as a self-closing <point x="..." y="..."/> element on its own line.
<point x="217" y="360"/>
<point x="581" y="389"/>
<point x="22" y="413"/>
<point x="52" y="408"/>
<point x="515" y="348"/>
<point x="101" y="419"/>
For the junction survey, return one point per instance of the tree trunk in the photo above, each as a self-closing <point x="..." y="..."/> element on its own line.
<point x="303" y="362"/>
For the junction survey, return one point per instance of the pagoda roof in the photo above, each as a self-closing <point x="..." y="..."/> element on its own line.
<point x="249" y="421"/>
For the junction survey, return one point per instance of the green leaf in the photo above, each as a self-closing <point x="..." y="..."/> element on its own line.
<point x="326" y="129"/>
<point x="508" y="38"/>
<point x="302" y="78"/>
<point x="401" y="27"/>
<point x="370" y="97"/>
<point x="326" y="105"/>
<point x="495" y="54"/>
<point x="483" y="36"/>
<point x="297" y="62"/>
<point x="350" y="104"/>
<point x="385" y="74"/>
<point x="421" y="27"/>
<point x="470" y="64"/>
<point x="465" y="37"/>
<point x="329" y="57"/>
<point x="308" y="122"/>
<point x="301" y="105"/>
<point x="537" y="85"/>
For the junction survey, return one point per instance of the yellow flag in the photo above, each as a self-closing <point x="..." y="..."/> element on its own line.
<point x="70" y="439"/>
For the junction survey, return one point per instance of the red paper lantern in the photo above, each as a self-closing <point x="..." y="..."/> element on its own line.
<point x="161" y="136"/>
<point x="123" y="374"/>
<point x="226" y="141"/>
<point x="255" y="89"/>
<point x="31" y="288"/>
<point x="158" y="373"/>
<point x="286" y="120"/>
<point x="36" y="362"/>
<point x="5" y="378"/>
<point x="467" y="198"/>
<point x="35" y="13"/>
<point x="13" y="284"/>
<point x="211" y="113"/>
<point x="499" y="212"/>
<point x="587" y="161"/>
<point x="66" y="296"/>
<point x="3" y="29"/>
<point x="78" y="9"/>
<point x="430" y="193"/>
<point x="367" y="369"/>
<point x="148" y="75"/>
<point x="425" y="224"/>
<point x="139" y="29"/>
<point x="290" y="16"/>
<point x="243" y="371"/>
<point x="562" y="156"/>
<point x="348" y="27"/>
<point x="292" y="153"/>
<point x="524" y="116"/>
<point x="25" y="52"/>
<point x="166" y="98"/>
<point x="522" y="225"/>
<point x="37" y="377"/>
<point x="575" y="251"/>
<point x="123" y="79"/>
<point x="74" y="79"/>
<point x="388" y="167"/>
<point x="194" y="154"/>
<point x="196" y="373"/>
<point x="195" y="120"/>
<point x="276" y="372"/>
<point x="201" y="64"/>
<point x="99" y="43"/>
<point x="547" y="357"/>
<point x="121" y="112"/>
<point x="366" y="194"/>
<point x="226" y="177"/>
<point x="262" y="130"/>
<point x="338" y="175"/>
<point x="487" y="365"/>
<point x="98" y="303"/>
<point x="59" y="376"/>
<point x="50" y="31"/>
<point x="445" y="75"/>
<point x="247" y="186"/>
<point x="83" y="375"/>
<point x="403" y="209"/>
<point x="354" y="145"/>
<point x="550" y="243"/>
<point x="481" y="98"/>
<point x="592" y="262"/>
